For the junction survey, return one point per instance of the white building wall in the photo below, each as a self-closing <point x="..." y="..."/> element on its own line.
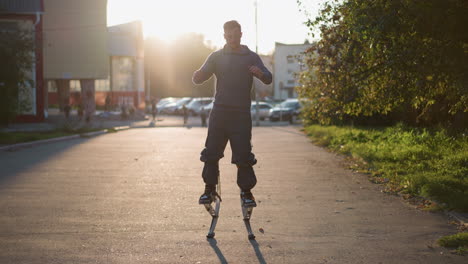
<point x="286" y="65"/>
<point x="126" y="46"/>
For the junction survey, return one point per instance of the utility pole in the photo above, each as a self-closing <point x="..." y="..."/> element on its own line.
<point x="148" y="80"/>
<point x="257" y="121"/>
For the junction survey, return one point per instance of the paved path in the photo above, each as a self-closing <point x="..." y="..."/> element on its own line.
<point x="131" y="197"/>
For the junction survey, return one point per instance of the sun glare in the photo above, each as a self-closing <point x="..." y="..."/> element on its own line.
<point x="278" y="20"/>
<point x="165" y="20"/>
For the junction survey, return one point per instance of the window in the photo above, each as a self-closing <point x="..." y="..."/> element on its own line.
<point x="51" y="87"/>
<point x="102" y="85"/>
<point x="290" y="58"/>
<point x="291" y="82"/>
<point x="75" y="86"/>
<point x="9" y="27"/>
<point x="122" y="69"/>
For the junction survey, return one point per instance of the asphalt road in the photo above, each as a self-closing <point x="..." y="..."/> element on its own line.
<point x="131" y="197"/>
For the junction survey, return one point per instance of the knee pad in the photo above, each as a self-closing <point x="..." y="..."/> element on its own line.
<point x="248" y="163"/>
<point x="246" y="178"/>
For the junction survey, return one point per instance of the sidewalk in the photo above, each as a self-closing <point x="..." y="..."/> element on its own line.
<point x="57" y="120"/>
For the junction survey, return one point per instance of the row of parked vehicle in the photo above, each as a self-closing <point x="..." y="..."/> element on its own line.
<point x="174" y="105"/>
<point x="288" y="109"/>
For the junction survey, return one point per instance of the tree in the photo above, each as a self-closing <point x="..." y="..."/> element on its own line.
<point x="404" y="60"/>
<point x="16" y="49"/>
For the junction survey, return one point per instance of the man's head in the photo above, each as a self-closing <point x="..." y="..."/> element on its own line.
<point x="232" y="34"/>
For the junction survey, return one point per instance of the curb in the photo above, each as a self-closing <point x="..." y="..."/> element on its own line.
<point x="460" y="218"/>
<point x="51" y="140"/>
<point x="122" y="128"/>
<point x="95" y="133"/>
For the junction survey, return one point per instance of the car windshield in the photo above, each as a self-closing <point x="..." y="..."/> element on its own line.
<point x="183" y="101"/>
<point x="193" y="103"/>
<point x="260" y="106"/>
<point x="288" y="104"/>
<point x="165" y="101"/>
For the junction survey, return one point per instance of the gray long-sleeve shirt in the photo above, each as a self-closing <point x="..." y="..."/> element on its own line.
<point x="233" y="78"/>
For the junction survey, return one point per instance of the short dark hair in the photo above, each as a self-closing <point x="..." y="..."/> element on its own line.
<point x="231" y="25"/>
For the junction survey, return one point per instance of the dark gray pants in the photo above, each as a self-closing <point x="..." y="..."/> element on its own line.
<point x="235" y="127"/>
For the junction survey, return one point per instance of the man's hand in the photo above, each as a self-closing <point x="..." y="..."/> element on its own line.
<point x="256" y="71"/>
<point x="199" y="77"/>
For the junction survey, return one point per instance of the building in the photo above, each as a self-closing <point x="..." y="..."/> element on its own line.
<point x="287" y="63"/>
<point x="126" y="54"/>
<point x="125" y="83"/>
<point x="27" y="15"/>
<point x="75" y="51"/>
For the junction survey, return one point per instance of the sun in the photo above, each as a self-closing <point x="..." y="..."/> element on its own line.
<point x="278" y="20"/>
<point x="152" y="28"/>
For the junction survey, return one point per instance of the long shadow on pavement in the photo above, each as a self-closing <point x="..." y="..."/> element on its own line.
<point x="13" y="162"/>
<point x="213" y="244"/>
<point x="258" y="252"/>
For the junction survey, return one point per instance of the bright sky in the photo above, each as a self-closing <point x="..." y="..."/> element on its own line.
<point x="278" y="20"/>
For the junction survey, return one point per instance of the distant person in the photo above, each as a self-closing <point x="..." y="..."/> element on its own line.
<point x="80" y="111"/>
<point x="234" y="66"/>
<point x="107" y="103"/>
<point x="154" y="109"/>
<point x="123" y="111"/>
<point x="203" y="116"/>
<point x="185" y="113"/>
<point x="131" y="111"/>
<point x="67" y="109"/>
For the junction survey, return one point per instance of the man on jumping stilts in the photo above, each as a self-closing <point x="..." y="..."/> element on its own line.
<point x="234" y="66"/>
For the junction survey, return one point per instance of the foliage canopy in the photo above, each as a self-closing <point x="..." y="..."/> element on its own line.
<point x="391" y="60"/>
<point x="16" y="49"/>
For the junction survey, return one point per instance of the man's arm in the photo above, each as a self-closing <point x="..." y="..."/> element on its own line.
<point x="206" y="70"/>
<point x="260" y="71"/>
<point x="200" y="76"/>
<point x="265" y="77"/>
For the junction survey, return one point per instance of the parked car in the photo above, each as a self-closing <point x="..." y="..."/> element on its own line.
<point x="197" y="103"/>
<point x="208" y="107"/>
<point x="263" y="110"/>
<point x="172" y="107"/>
<point x="287" y="110"/>
<point x="180" y="104"/>
<point x="176" y="107"/>
<point x="165" y="100"/>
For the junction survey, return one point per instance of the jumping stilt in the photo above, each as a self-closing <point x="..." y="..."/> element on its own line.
<point x="214" y="212"/>
<point x="247" y="213"/>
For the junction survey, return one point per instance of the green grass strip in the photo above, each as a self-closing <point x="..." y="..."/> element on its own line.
<point x="458" y="241"/>
<point x="20" y="137"/>
<point x="419" y="162"/>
